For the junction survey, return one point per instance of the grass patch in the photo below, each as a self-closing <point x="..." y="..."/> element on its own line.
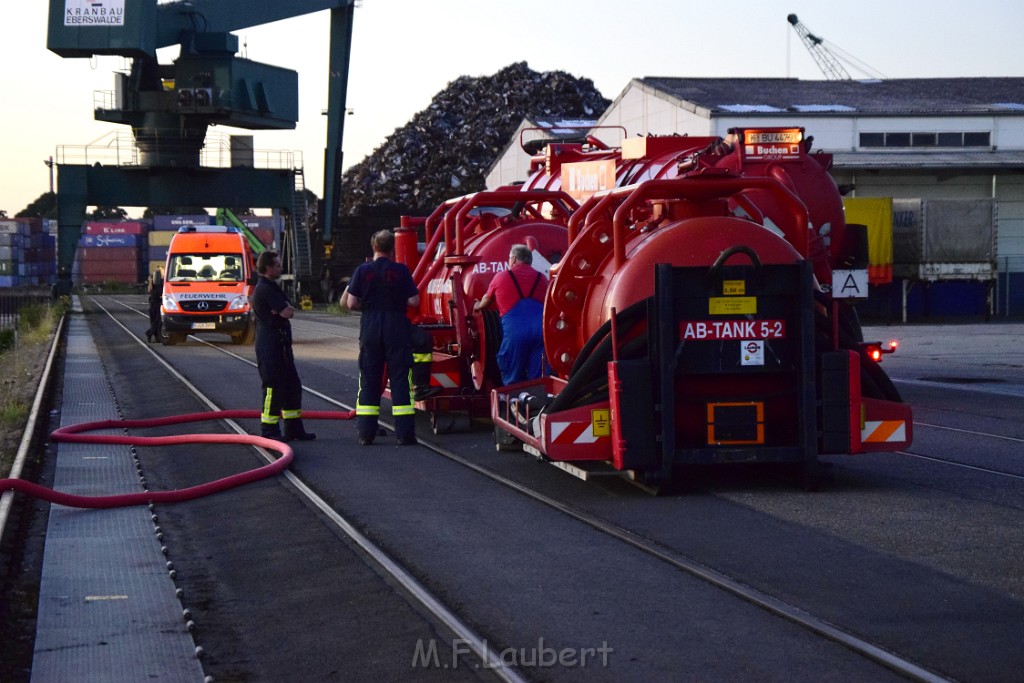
<point x="23" y="361"/>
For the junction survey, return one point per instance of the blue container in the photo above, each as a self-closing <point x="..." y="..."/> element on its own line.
<point x="122" y="240"/>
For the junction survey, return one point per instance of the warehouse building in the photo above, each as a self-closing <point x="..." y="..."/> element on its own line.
<point x="949" y="152"/>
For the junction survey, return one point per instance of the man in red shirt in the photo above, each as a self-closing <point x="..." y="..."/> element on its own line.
<point x="519" y="295"/>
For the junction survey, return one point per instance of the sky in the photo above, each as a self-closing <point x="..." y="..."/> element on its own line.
<point x="406" y="51"/>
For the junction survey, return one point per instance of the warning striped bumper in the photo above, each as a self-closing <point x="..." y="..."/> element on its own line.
<point x="445" y="380"/>
<point x="884" y="426"/>
<point x="884" y="431"/>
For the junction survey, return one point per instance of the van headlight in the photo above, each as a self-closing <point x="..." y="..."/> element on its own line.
<point x="238" y="303"/>
<point x="170" y="304"/>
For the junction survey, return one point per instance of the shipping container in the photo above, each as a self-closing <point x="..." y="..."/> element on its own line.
<point x="264" y="235"/>
<point x="173" y="222"/>
<point x="109" y="254"/>
<point x="95" y="272"/>
<point x="160" y="238"/>
<point x="116" y="240"/>
<point x="118" y="228"/>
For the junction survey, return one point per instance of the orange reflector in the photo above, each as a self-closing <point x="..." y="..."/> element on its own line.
<point x="735" y="423"/>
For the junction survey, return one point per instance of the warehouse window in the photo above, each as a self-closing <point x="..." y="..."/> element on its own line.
<point x="897" y="139"/>
<point x="922" y="139"/>
<point x="872" y="139"/>
<point x="976" y="140"/>
<point x="951" y="139"/>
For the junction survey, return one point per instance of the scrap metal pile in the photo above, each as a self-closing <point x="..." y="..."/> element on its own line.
<point x="447" y="148"/>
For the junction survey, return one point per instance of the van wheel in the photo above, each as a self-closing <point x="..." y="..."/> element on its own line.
<point x="246" y="337"/>
<point x="172" y="338"/>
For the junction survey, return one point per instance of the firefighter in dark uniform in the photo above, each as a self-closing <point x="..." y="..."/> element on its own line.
<point x="382" y="289"/>
<point x="282" y="389"/>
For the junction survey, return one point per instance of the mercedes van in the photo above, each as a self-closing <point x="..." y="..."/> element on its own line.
<point x="208" y="277"/>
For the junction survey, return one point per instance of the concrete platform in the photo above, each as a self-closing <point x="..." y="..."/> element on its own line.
<point x="108" y="610"/>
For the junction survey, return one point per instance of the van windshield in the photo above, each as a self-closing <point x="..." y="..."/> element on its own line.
<point x="205" y="268"/>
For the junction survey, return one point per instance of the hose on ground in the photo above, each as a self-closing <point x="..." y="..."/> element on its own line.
<point x="77" y="434"/>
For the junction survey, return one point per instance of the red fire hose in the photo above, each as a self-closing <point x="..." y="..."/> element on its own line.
<point x="75" y="433"/>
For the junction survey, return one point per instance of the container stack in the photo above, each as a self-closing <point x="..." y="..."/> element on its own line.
<point x="27" y="253"/>
<point x="111" y="252"/>
<point x="164" y="228"/>
<point x="266" y="228"/>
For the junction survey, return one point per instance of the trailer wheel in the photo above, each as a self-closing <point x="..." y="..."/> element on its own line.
<point x="810" y="476"/>
<point x="448" y="423"/>
<point x="503" y="441"/>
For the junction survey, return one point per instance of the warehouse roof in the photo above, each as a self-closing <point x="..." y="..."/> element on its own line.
<point x="978" y="161"/>
<point x="941" y="96"/>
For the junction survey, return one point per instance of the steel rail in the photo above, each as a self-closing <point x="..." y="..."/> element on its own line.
<point x="31" y="425"/>
<point x="769" y="603"/>
<point x="491" y="659"/>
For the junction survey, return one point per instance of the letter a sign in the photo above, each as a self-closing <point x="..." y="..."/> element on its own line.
<point x="849" y="284"/>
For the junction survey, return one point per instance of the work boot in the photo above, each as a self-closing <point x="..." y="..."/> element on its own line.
<point x="405" y="430"/>
<point x="272" y="432"/>
<point x="423" y="393"/>
<point x="294" y="431"/>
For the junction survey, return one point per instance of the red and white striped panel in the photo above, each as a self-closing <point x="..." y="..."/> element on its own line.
<point x="884" y="431"/>
<point x="573" y="433"/>
<point x="444" y="380"/>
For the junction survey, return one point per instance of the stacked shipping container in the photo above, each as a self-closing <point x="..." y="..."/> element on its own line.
<point x="27" y="252"/>
<point x="164" y="228"/>
<point x="110" y="252"/>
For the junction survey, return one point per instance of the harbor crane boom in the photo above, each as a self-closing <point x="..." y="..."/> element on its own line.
<point x="827" y="62"/>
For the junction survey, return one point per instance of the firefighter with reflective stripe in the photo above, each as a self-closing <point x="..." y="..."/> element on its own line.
<point x="519" y="295"/>
<point x="422" y="356"/>
<point x="282" y="389"/>
<point x="382" y="290"/>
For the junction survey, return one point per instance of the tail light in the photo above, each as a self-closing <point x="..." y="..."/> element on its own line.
<point x="875" y="350"/>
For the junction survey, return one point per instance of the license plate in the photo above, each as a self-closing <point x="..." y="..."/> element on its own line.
<point x="204" y="326"/>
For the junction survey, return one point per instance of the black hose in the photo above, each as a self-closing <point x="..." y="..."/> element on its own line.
<point x="625" y="317"/>
<point x="493" y="335"/>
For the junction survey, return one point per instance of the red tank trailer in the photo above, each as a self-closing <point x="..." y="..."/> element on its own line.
<point x="699" y="310"/>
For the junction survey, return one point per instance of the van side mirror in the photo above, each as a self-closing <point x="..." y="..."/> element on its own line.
<point x="253" y="279"/>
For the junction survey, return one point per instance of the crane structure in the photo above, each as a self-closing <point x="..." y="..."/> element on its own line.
<point x="827" y="62"/>
<point x="169" y="108"/>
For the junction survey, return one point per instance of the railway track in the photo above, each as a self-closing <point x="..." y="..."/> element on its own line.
<point x="593" y="507"/>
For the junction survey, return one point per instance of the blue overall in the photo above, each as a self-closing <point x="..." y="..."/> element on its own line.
<point x="521" y="355"/>
<point x="383" y="288"/>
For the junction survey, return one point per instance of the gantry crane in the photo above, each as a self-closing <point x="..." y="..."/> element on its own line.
<point x="170" y="106"/>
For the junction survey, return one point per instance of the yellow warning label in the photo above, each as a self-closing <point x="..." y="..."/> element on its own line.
<point x="734" y="287"/>
<point x="732" y="305"/>
<point x="601" y="422"/>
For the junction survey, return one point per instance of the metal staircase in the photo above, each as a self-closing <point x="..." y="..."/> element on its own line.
<point x="303" y="256"/>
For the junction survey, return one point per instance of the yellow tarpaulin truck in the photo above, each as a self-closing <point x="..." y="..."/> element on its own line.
<point x="876" y="214"/>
